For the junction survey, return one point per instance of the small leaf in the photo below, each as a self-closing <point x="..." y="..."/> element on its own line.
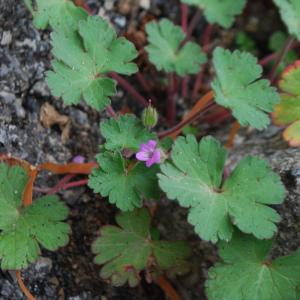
<point x="125" y="183"/>
<point x="194" y="178"/>
<point x="221" y="12"/>
<point x="125" y="132"/>
<point x="127" y="249"/>
<point x="290" y="14"/>
<point x="287" y="112"/>
<point x="58" y="13"/>
<point x="238" y="86"/>
<point x="246" y="273"/>
<point x="24" y="229"/>
<point x="83" y="60"/>
<point x="165" y="50"/>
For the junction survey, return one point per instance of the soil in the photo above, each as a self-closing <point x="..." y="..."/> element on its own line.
<point x="70" y="273"/>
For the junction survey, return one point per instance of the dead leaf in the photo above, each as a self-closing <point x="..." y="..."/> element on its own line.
<point x="49" y="116"/>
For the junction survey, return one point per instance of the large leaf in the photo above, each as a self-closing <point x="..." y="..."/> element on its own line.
<point x="83" y="60"/>
<point x="247" y="273"/>
<point x="125" y="183"/>
<point x="238" y="86"/>
<point x="23" y="230"/>
<point x="194" y="178"/>
<point x="221" y="12"/>
<point x="165" y="50"/>
<point x="127" y="249"/>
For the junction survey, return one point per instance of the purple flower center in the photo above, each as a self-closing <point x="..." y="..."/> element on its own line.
<point x="149" y="153"/>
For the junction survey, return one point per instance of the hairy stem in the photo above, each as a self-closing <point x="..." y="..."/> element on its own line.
<point x="168" y="289"/>
<point x="23" y="288"/>
<point x="129" y="89"/>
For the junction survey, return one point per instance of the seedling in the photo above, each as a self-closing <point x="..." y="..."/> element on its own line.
<point x="136" y="164"/>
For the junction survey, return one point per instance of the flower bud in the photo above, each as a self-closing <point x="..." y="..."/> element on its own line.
<point x="149" y="117"/>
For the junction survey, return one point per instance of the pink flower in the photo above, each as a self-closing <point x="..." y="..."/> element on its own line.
<point x="149" y="153"/>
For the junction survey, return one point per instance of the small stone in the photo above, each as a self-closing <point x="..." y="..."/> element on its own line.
<point x="120" y="21"/>
<point x="43" y="265"/>
<point x="6" y="38"/>
<point x="145" y="4"/>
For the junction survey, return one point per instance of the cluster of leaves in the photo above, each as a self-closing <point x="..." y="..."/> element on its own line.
<point x="86" y="51"/>
<point x="24" y="229"/>
<point x="132" y="246"/>
<point x="134" y="181"/>
<point x="288" y="111"/>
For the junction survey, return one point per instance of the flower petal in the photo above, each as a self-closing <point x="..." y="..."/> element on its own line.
<point x="142" y="155"/>
<point x="154" y="159"/>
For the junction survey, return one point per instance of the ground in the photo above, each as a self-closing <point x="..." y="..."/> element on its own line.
<point x="70" y="273"/>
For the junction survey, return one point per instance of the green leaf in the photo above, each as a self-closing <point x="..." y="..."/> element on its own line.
<point x="194" y="178"/>
<point x="245" y="42"/>
<point x="238" y="86"/>
<point x="247" y="273"/>
<point x="165" y="50"/>
<point x="125" y="132"/>
<point x="290" y="14"/>
<point x="58" y="13"/>
<point x="221" y="12"/>
<point x="24" y="229"/>
<point x="125" y="183"/>
<point x="83" y="60"/>
<point x="127" y="249"/>
<point x="287" y="112"/>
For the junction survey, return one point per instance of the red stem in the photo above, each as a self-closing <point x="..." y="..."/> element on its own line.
<point x="202" y="105"/>
<point x="184" y="17"/>
<point x="184" y="87"/>
<point x="60" y="184"/>
<point x="171" y="104"/>
<point x="75" y="184"/>
<point x="130" y="89"/>
<point x="111" y="112"/>
<point x="142" y="81"/>
<point x="196" y="18"/>
<point x="199" y="78"/>
<point x="283" y="52"/>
